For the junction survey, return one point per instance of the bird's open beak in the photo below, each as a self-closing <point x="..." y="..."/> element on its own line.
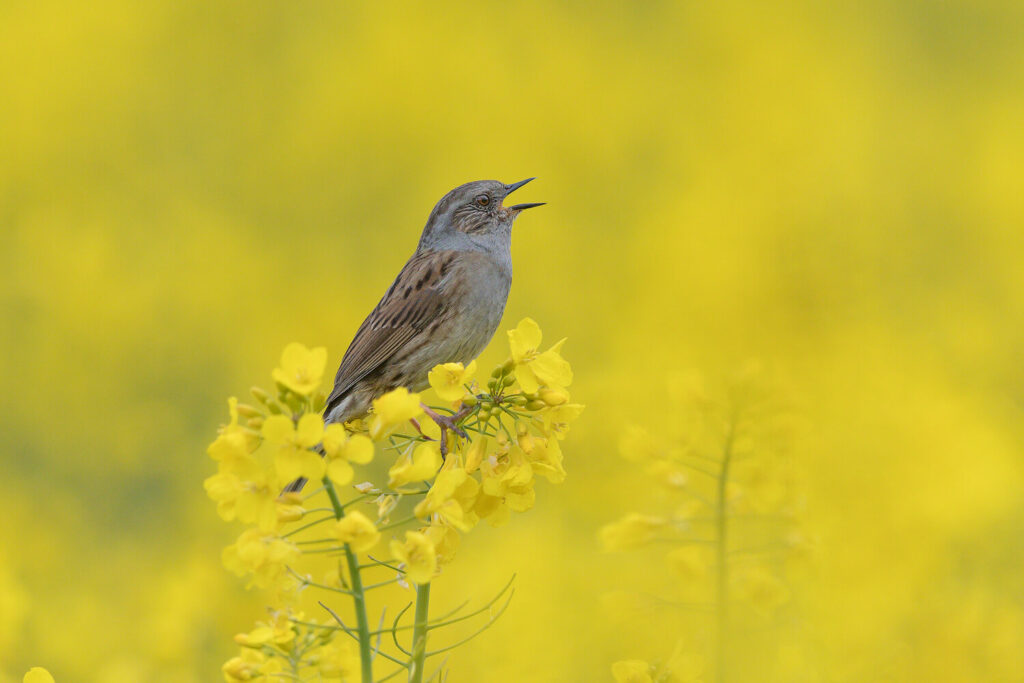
<point x="509" y="189"/>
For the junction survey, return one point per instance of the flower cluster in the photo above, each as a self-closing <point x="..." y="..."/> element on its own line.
<point x="731" y="530"/>
<point x="476" y="455"/>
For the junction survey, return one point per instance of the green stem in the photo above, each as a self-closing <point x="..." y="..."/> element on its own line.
<point x="419" y="634"/>
<point x="358" y="595"/>
<point x="721" y="517"/>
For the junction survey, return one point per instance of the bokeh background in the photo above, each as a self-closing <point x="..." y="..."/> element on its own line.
<point x="834" y="189"/>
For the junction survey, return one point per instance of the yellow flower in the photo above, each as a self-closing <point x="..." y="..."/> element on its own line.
<point x="475" y="454"/>
<point x="533" y="367"/>
<point x="440" y="500"/>
<point x="278" y="631"/>
<point x="251" y="665"/>
<point x="507" y="471"/>
<point x="233" y="441"/>
<point x="262" y="554"/>
<point x="301" y="368"/>
<point x="337" y="660"/>
<point x="445" y="540"/>
<point x="392" y="409"/>
<point x="557" y="419"/>
<point x="357" y="530"/>
<point x="342" y="449"/>
<point x="761" y="589"/>
<point x="632" y="531"/>
<point x="418" y="555"/>
<point x="246" y="491"/>
<point x="37" y="674"/>
<point x="689" y="562"/>
<point x="294" y="459"/>
<point x="420" y="466"/>
<point x="448" y="380"/>
<point x="545" y="456"/>
<point x="632" y="671"/>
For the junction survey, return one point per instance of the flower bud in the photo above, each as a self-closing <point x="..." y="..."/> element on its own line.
<point x="290" y="498"/>
<point x="508" y="366"/>
<point x="469" y="401"/>
<point x="246" y="410"/>
<point x="255" y="423"/>
<point x="508" y="381"/>
<point x="536" y="404"/>
<point x="365" y="487"/>
<point x="553" y="397"/>
<point x="260" y="395"/>
<point x="498" y="371"/>
<point x="290" y="513"/>
<point x="517" y="400"/>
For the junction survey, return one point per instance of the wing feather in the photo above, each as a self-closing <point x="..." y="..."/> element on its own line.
<point x="413" y="301"/>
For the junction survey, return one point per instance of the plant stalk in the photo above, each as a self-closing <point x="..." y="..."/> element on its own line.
<point x="358" y="595"/>
<point x="419" y="634"/>
<point x="722" y="548"/>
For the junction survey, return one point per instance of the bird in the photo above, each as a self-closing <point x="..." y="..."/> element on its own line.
<point x="443" y="307"/>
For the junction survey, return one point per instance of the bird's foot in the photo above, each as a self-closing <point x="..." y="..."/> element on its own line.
<point x="447" y="422"/>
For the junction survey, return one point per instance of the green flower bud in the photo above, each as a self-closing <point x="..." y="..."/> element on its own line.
<point x="508" y="381"/>
<point x="498" y="371"/>
<point x="536" y="404"/>
<point x="507" y="368"/>
<point x="260" y="395"/>
<point x="469" y="401"/>
<point x="255" y="423"/>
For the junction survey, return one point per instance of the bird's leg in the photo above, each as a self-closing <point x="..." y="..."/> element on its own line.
<point x="445" y="423"/>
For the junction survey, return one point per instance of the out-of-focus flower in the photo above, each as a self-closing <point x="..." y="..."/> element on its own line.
<point x="233" y="441"/>
<point x="632" y="531"/>
<point x="301" y="369"/>
<point x="37" y="674"/>
<point x="252" y="665"/>
<point x="535" y="368"/>
<point x="632" y="671"/>
<point x="418" y="556"/>
<point x="761" y="589"/>
<point x="279" y="631"/>
<point x="338" y="660"/>
<point x="420" y="465"/>
<point x="448" y="380"/>
<point x="689" y="562"/>
<point x="392" y="409"/>
<point x="342" y="449"/>
<point x="262" y="554"/>
<point x="357" y="530"/>
<point x="294" y="459"/>
<point x="245" y="490"/>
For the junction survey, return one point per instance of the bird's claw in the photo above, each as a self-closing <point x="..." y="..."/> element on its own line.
<point x="446" y="423"/>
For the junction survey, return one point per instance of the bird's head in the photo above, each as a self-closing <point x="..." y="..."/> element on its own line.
<point x="474" y="212"/>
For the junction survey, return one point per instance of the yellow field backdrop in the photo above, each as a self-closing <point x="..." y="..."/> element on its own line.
<point x="834" y="190"/>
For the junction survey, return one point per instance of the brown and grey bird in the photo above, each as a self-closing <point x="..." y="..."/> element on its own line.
<point x="443" y="307"/>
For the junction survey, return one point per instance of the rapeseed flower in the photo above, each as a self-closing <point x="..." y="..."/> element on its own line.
<point x="534" y="368"/>
<point x="294" y="458"/>
<point x="392" y="409"/>
<point x="342" y="449"/>
<point x="302" y="369"/>
<point x="417" y="555"/>
<point x="357" y="530"/>
<point x="448" y="380"/>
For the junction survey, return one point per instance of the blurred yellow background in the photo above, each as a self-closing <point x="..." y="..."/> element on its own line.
<point x="832" y="188"/>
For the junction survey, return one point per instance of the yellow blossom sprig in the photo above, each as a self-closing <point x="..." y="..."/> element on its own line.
<point x="735" y="522"/>
<point x="476" y="455"/>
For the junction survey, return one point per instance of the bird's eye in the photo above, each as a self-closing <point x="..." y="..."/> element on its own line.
<point x="483" y="200"/>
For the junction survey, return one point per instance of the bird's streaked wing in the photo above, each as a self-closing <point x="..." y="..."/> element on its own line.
<point x="414" y="300"/>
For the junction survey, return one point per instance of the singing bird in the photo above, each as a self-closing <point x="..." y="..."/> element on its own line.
<point x="443" y="307"/>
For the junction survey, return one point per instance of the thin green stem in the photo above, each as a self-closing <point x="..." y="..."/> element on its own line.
<point x="358" y="595"/>
<point x="722" y="577"/>
<point x="419" y="634"/>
